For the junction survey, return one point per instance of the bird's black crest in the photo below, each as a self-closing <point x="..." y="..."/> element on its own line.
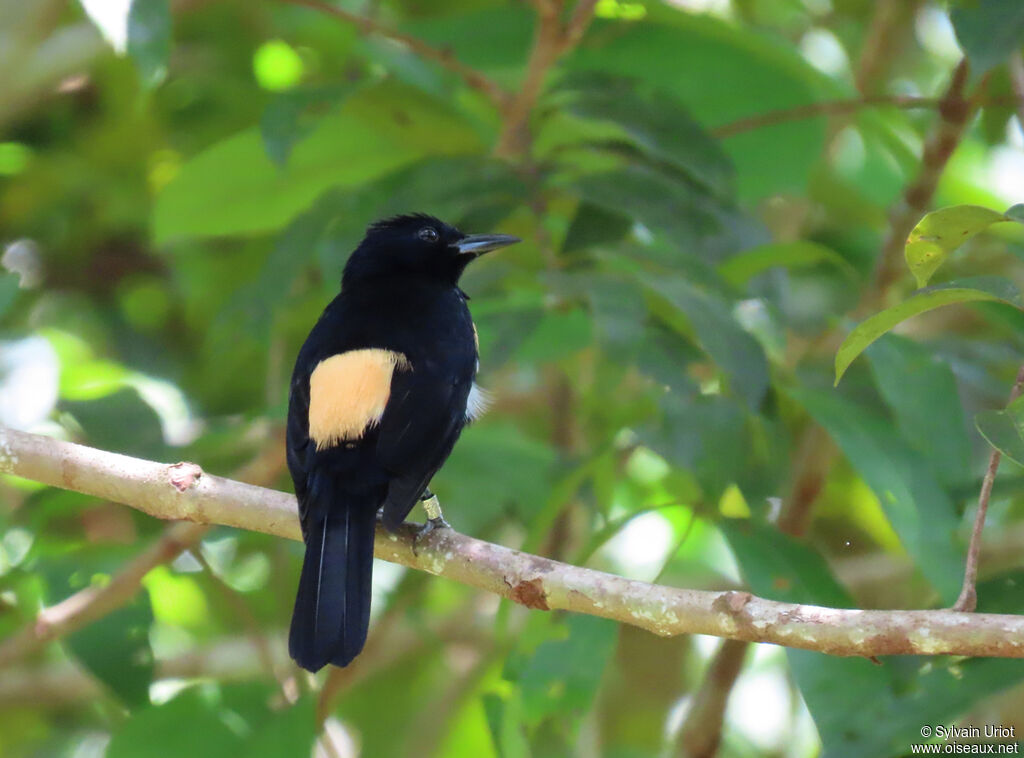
<point x="403" y="221"/>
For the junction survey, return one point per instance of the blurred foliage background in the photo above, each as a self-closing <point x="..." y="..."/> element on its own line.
<point x="704" y="188"/>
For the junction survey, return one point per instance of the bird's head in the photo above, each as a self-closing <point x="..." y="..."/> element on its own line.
<point x="418" y="245"/>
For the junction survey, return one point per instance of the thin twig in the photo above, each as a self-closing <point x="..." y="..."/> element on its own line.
<point x="526" y="579"/>
<point x="968" y="599"/>
<point x="444" y="58"/>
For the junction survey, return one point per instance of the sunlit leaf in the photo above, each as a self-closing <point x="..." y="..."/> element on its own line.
<point x="951" y="293"/>
<point x="940" y="233"/>
<point x="233" y="187"/>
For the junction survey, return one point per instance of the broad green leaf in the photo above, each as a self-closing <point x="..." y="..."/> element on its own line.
<point x="781" y="567"/>
<point x="562" y="676"/>
<point x="290" y="731"/>
<point x="940" y="233"/>
<point x="988" y="31"/>
<point x="116" y="650"/>
<point x="951" y="293"/>
<point x="282" y="124"/>
<point x="752" y="74"/>
<point x="920" y="511"/>
<point x="495" y="466"/>
<point x="233" y="187"/>
<point x="696" y="223"/>
<point x="736" y="352"/>
<point x="190" y="724"/>
<point x="505" y="721"/>
<point x="922" y="393"/>
<point x="595" y="225"/>
<point x="1004" y="430"/>
<point x="655" y="123"/>
<point x="149" y="39"/>
<point x="739" y="269"/>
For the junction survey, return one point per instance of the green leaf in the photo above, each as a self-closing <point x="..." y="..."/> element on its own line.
<point x="562" y="676"/>
<point x="1004" y="430"/>
<point x="781" y="567"/>
<point x="190" y="724"/>
<point x="116" y="649"/>
<point x="149" y="39"/>
<point x="282" y="124"/>
<point x="595" y="225"/>
<point x="739" y="269"/>
<point x="655" y="123"/>
<point x="940" y="233"/>
<point x="735" y="351"/>
<point x="750" y="74"/>
<point x="695" y="222"/>
<point x="988" y="31"/>
<point x="920" y="511"/>
<point x="10" y="284"/>
<point x="233" y="187"/>
<point x="979" y="289"/>
<point x="922" y="393"/>
<point x="494" y="467"/>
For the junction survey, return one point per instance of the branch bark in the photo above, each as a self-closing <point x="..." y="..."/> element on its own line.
<point x="183" y="491"/>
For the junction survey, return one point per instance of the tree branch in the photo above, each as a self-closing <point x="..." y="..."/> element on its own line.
<point x="552" y="42"/>
<point x="968" y="599"/>
<point x="95" y="602"/>
<point x="183" y="491"/>
<point x="444" y="58"/>
<point x="955" y="110"/>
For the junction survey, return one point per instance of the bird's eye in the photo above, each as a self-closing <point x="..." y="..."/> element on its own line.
<point x="428" y="234"/>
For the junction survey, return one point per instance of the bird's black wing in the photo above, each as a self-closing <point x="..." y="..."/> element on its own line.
<point x="298" y="444"/>
<point x="421" y="423"/>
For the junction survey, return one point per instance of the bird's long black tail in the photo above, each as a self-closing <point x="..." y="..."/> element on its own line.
<point x="332" y="606"/>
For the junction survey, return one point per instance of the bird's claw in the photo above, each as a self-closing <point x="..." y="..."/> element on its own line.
<point x="428" y="527"/>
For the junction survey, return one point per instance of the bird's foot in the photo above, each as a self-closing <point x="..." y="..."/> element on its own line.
<point x="435" y="519"/>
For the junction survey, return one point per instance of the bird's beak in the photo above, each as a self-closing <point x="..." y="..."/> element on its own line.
<point x="478" y="244"/>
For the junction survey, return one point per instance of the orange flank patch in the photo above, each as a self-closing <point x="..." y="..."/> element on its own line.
<point x="348" y="393"/>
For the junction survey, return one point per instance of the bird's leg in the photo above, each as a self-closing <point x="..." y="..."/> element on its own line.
<point x="435" y="519"/>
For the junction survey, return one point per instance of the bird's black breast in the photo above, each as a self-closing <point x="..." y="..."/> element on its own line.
<point x="431" y="327"/>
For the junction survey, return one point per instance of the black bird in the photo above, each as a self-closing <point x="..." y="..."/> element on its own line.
<point x="382" y="388"/>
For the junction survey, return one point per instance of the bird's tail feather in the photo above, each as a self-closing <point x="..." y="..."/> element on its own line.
<point x="332" y="606"/>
